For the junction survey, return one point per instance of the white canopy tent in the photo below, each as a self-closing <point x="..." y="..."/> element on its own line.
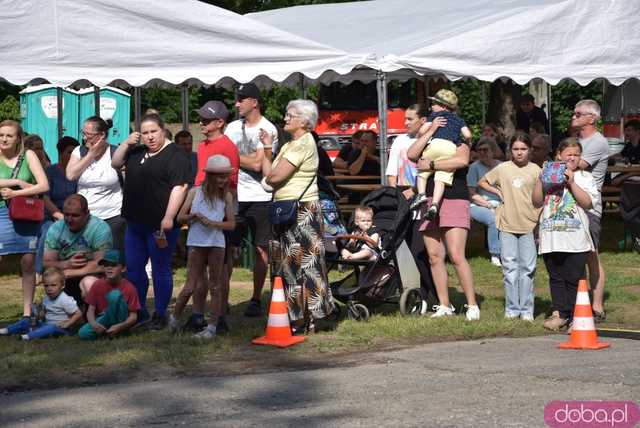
<point x="177" y="41"/>
<point x="581" y="40"/>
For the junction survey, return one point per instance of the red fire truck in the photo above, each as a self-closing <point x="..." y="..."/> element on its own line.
<point x="345" y="109"/>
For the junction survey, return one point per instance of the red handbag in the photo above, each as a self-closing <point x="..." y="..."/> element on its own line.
<point x="25" y="208"/>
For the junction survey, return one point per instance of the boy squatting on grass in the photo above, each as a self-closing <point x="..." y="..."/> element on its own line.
<point x="61" y="312"/>
<point x="442" y="145"/>
<point x="113" y="301"/>
<point x="367" y="249"/>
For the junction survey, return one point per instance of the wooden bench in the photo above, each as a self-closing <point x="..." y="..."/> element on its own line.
<point x="610" y="199"/>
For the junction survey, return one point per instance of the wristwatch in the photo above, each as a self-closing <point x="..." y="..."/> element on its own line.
<point x="432" y="165"/>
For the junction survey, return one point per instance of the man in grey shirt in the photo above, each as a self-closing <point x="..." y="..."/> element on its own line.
<point x="595" y="154"/>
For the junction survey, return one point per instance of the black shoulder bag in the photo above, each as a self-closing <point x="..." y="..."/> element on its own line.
<point x="284" y="213"/>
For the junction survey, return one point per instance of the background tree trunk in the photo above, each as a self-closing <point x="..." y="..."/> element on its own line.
<point x="503" y="96"/>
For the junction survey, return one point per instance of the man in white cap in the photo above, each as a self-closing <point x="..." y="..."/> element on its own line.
<point x="253" y="200"/>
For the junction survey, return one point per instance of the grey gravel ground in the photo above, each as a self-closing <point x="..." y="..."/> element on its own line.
<point x="488" y="383"/>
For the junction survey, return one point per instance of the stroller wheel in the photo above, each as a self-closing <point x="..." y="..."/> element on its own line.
<point x="357" y="312"/>
<point x="412" y="302"/>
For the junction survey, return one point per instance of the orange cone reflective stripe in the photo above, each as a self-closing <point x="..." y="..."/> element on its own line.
<point x="583" y="330"/>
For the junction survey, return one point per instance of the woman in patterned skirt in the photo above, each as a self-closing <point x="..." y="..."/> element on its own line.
<point x="293" y="177"/>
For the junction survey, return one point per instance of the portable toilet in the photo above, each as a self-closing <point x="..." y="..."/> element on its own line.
<point x="115" y="104"/>
<point x="39" y="112"/>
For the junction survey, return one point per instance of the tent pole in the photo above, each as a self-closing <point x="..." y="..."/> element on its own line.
<point x="60" y="103"/>
<point x="96" y="98"/>
<point x="303" y="89"/>
<point x="137" y="107"/>
<point x="184" y="102"/>
<point x="382" y="121"/>
<point x="549" y="110"/>
<point x="483" y="92"/>
<point x="622" y="112"/>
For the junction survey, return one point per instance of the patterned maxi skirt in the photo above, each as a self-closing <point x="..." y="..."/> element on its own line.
<point x="302" y="266"/>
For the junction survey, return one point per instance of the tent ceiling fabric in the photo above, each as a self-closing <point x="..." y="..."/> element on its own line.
<point x="522" y="39"/>
<point x="136" y="41"/>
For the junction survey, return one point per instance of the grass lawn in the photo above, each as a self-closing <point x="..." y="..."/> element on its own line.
<point x="149" y="355"/>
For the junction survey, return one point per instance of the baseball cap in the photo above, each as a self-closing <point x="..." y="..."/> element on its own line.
<point x="111" y="257"/>
<point x="213" y="110"/>
<point x="247" y="90"/>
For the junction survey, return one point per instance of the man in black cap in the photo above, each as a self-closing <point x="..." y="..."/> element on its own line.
<point x="253" y="200"/>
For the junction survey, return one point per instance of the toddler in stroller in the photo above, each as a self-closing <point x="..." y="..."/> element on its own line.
<point x="365" y="247"/>
<point x="375" y="278"/>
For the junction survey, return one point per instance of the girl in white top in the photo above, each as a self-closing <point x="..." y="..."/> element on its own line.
<point x="209" y="209"/>
<point x="98" y="181"/>
<point x="565" y="241"/>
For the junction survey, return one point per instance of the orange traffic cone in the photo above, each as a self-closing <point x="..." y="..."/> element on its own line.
<point x="583" y="332"/>
<point x="278" y="327"/>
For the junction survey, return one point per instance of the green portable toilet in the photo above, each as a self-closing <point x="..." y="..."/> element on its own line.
<point x="39" y="112"/>
<point x="115" y="104"/>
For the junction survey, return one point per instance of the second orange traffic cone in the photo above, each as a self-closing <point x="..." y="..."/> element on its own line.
<point x="278" y="326"/>
<point x="583" y="332"/>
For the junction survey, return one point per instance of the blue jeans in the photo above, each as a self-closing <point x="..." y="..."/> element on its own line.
<point x="488" y="218"/>
<point x="40" y="331"/>
<point x="117" y="311"/>
<point x="518" y="259"/>
<point x="140" y="246"/>
<point x="44" y="227"/>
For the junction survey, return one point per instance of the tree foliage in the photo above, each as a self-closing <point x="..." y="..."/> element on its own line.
<point x="10" y="109"/>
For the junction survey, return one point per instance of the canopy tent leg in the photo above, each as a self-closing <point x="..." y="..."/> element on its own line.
<point x="137" y="107"/>
<point x="184" y="103"/>
<point x="549" y="110"/>
<point x="96" y="99"/>
<point x="622" y="112"/>
<point x="483" y="94"/>
<point x="382" y="121"/>
<point x="59" y="107"/>
<point x="303" y="88"/>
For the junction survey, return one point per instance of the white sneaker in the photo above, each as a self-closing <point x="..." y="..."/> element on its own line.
<point x="511" y="316"/>
<point x="441" y="311"/>
<point x="208" y="333"/>
<point x="495" y="260"/>
<point x="173" y="324"/>
<point x="473" y="312"/>
<point x="526" y="317"/>
<point x="24" y="336"/>
<point x="4" y="331"/>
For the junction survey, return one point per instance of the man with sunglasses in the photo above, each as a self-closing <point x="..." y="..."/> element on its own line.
<point x="595" y="155"/>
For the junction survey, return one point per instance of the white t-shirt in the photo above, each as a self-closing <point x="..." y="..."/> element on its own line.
<point x="249" y="188"/>
<point x="99" y="184"/>
<point x="564" y="226"/>
<point x="60" y="309"/>
<point x="399" y="165"/>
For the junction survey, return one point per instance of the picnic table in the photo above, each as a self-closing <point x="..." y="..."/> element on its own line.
<point x="352" y="177"/>
<point x="365" y="188"/>
<point x="623" y="168"/>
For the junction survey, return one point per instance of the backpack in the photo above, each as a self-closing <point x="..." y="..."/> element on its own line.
<point x="112" y="149"/>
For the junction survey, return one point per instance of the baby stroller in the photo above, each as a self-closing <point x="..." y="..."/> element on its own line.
<point x="372" y="283"/>
<point x="630" y="210"/>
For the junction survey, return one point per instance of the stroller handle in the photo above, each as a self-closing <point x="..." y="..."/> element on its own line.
<point x="364" y="238"/>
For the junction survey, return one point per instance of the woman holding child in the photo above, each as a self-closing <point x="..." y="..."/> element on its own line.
<point x="447" y="233"/>
<point x="293" y="177"/>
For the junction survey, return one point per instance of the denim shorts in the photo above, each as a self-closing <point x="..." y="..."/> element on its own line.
<point x="17" y="237"/>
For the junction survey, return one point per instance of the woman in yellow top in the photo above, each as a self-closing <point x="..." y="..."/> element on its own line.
<point x="293" y="177"/>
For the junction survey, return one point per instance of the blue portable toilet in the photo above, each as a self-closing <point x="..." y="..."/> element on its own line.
<point x="115" y="104"/>
<point x="39" y="112"/>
